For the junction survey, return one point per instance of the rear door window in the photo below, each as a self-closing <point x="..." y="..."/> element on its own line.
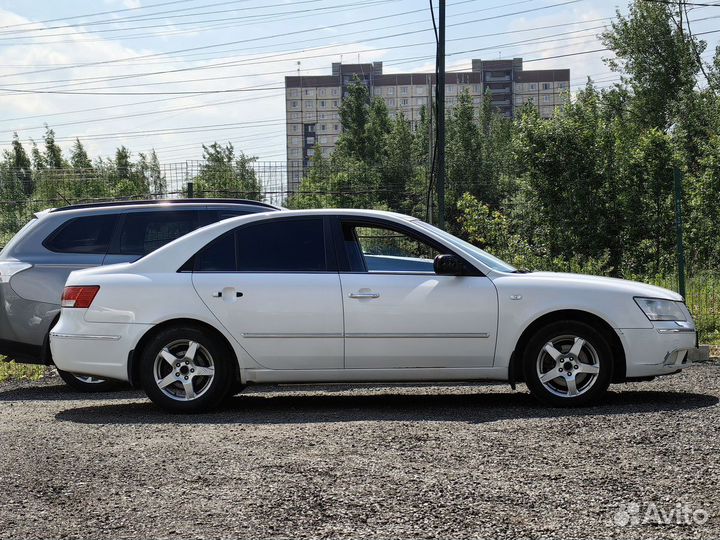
<point x="296" y="245"/>
<point x="143" y="232"/>
<point x="91" y="234"/>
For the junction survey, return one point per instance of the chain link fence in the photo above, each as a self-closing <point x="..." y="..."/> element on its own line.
<point x="24" y="192"/>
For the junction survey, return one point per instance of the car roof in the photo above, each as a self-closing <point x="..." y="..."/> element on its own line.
<point x="161" y="202"/>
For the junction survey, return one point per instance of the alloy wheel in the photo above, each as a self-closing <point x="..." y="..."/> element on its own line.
<point x="568" y="366"/>
<point x="184" y="370"/>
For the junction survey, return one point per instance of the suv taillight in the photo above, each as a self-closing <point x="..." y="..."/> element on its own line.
<point x="79" y="296"/>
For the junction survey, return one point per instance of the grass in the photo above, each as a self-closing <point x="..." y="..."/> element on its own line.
<point x="27" y="372"/>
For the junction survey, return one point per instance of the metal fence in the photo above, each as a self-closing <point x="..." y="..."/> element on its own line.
<point x="24" y="192"/>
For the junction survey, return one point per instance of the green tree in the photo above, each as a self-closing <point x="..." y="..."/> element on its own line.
<point x="79" y="158"/>
<point x="657" y="57"/>
<point x="225" y="174"/>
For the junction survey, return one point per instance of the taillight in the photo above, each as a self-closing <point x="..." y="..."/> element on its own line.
<point x="79" y="297"/>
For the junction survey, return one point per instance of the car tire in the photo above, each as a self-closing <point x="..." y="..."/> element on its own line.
<point x="86" y="383"/>
<point x="186" y="370"/>
<point x="568" y="364"/>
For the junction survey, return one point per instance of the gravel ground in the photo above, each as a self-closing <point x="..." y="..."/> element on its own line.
<point x="363" y="462"/>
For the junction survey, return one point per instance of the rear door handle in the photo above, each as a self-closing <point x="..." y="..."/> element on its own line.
<point x="364" y="295"/>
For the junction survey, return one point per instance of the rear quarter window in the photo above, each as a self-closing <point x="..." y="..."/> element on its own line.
<point x="91" y="234"/>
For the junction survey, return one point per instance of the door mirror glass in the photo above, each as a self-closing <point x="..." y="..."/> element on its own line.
<point x="448" y="265"/>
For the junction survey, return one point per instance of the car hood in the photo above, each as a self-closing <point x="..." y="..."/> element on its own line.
<point x="633" y="288"/>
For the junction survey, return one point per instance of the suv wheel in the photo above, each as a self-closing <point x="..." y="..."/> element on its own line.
<point x="87" y="383"/>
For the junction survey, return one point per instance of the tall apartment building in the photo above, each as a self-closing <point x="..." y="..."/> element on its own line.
<point x="313" y="102"/>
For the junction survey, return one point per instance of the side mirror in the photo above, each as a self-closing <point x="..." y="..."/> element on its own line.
<point x="448" y="265"/>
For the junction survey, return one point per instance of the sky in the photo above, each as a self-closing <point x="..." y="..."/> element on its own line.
<point x="172" y="75"/>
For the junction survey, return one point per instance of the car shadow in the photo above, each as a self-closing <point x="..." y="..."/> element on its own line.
<point x="62" y="392"/>
<point x="256" y="408"/>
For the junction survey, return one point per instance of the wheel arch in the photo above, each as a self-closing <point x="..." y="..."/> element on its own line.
<point x="135" y="354"/>
<point x="619" y="359"/>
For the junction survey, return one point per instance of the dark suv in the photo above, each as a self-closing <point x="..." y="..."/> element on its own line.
<point x="37" y="261"/>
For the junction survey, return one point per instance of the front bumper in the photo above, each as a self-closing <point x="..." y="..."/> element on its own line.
<point x="658" y="351"/>
<point x="98" y="349"/>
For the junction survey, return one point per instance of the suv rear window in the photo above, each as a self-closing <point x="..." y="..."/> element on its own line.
<point x="91" y="234"/>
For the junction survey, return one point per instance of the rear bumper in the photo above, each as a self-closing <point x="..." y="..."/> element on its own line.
<point x="99" y="349"/>
<point x="652" y="352"/>
<point x="24" y="325"/>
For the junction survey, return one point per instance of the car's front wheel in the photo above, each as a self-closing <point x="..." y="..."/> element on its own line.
<point x="87" y="383"/>
<point x="568" y="363"/>
<point x="184" y="369"/>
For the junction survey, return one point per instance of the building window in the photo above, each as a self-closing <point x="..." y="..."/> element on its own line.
<point x="377" y="91"/>
<point x="546" y="99"/>
<point x="294" y="151"/>
<point x="294" y="103"/>
<point x="309" y="104"/>
<point x="449" y="88"/>
<point x="391" y="102"/>
<point x="310" y="152"/>
<point x="403" y="90"/>
<point x="533" y="86"/>
<point x="322" y="91"/>
<point x="323" y="127"/>
<point x="335" y="102"/>
<point x="546" y="86"/>
<point x="294" y="92"/>
<point x="295" y="115"/>
<point x="404" y="102"/>
<point x="323" y="140"/>
<point x="334" y="91"/>
<point x="477" y="88"/>
<point x="307" y="92"/>
<point x="310" y="140"/>
<point x="391" y="91"/>
<point x="323" y="103"/>
<point x="420" y="90"/>
<point x="562" y="84"/>
<point x="336" y="127"/>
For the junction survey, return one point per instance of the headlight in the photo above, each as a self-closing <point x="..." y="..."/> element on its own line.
<point x="661" y="310"/>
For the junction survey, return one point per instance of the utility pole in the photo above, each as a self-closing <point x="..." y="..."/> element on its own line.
<point x="441" y="117"/>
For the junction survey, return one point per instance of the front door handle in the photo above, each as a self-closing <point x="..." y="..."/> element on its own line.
<point x="219" y="294"/>
<point x="364" y="295"/>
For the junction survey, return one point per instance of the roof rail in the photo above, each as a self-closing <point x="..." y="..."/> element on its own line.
<point x="163" y="201"/>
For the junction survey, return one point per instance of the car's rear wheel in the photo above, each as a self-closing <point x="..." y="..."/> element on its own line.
<point x="184" y="369"/>
<point x="87" y="383"/>
<point x="568" y="363"/>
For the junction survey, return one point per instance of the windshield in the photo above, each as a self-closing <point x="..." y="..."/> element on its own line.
<point x="483" y="256"/>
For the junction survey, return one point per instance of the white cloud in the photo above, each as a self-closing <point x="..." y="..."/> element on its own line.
<point x="265" y="70"/>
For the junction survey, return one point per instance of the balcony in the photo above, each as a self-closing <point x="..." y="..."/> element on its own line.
<point x="495" y="78"/>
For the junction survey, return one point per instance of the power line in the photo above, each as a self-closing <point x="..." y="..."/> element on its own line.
<point x="97" y="13"/>
<point x="263" y="60"/>
<point x="161" y="16"/>
<point x="264" y="16"/>
<point x="237" y="42"/>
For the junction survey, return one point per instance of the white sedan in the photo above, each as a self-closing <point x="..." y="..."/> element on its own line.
<point x="348" y="296"/>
